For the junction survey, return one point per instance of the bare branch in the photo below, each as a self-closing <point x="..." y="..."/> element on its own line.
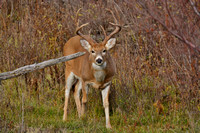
<point x="180" y="37"/>
<point x="194" y="7"/>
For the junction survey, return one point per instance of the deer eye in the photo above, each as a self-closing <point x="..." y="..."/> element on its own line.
<point x="93" y="51"/>
<point x="104" y="51"/>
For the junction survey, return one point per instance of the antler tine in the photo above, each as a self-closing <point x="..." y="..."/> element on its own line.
<point x="76" y="18"/>
<point x="114" y="24"/>
<point x="112" y="15"/>
<point x="90" y="32"/>
<point x="104" y="32"/>
<point x="78" y="29"/>
<point x="117" y="29"/>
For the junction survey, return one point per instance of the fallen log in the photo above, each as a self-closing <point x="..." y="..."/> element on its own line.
<point x="29" y="68"/>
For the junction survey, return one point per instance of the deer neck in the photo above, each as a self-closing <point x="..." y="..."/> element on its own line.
<point x="99" y="72"/>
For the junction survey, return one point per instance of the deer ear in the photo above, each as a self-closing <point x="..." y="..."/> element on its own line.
<point x="110" y="43"/>
<point x="85" y="44"/>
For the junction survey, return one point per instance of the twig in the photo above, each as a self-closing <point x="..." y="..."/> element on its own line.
<point x="22" y="126"/>
<point x="166" y="6"/>
<point x="1" y="3"/>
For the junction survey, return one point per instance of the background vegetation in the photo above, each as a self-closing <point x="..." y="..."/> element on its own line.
<point x="156" y="88"/>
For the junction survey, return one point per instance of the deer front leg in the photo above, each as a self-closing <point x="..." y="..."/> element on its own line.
<point x="67" y="91"/>
<point x="105" y="96"/>
<point x="84" y="98"/>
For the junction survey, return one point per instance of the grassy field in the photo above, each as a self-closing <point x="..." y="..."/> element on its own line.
<point x="22" y="111"/>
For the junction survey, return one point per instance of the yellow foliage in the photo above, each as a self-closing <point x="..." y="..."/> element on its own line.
<point x="198" y="106"/>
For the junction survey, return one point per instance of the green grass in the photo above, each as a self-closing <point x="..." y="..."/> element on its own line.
<point x="45" y="114"/>
<point x="49" y="118"/>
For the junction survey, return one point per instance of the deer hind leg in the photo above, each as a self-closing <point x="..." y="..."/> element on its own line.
<point x="77" y="90"/>
<point x="105" y="96"/>
<point x="70" y="81"/>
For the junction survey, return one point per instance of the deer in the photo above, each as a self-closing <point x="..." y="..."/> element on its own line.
<point x="95" y="68"/>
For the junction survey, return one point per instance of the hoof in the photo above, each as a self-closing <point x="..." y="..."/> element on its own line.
<point x="109" y="126"/>
<point x="64" y="118"/>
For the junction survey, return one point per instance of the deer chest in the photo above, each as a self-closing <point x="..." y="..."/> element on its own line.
<point x="100" y="76"/>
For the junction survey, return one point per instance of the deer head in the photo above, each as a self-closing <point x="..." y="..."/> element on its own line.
<point x="98" y="51"/>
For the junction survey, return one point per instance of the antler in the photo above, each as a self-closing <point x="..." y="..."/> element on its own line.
<point x="86" y="37"/>
<point x="117" y="29"/>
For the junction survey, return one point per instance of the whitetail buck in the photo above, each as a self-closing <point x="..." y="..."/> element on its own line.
<point x="96" y="68"/>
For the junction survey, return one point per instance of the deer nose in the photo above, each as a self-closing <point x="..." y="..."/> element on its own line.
<point x="99" y="61"/>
